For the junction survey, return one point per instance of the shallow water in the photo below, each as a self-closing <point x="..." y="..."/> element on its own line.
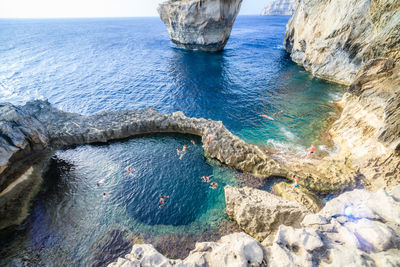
<point x="90" y="65"/>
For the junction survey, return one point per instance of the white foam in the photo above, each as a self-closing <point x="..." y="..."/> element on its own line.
<point x="288" y="133"/>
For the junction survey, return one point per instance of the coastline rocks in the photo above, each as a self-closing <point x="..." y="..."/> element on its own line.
<point x="368" y="130"/>
<point x="279" y="8"/>
<point x="198" y="24"/>
<point x="260" y="213"/>
<point x="237" y="249"/>
<point x="369" y="235"/>
<point x="300" y="195"/>
<point x="333" y="39"/>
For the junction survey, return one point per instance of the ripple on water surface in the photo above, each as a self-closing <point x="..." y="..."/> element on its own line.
<point x="71" y="214"/>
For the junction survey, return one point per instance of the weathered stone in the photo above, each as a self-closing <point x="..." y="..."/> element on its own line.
<point x="260" y="213"/>
<point x="333" y="39"/>
<point x="236" y="249"/>
<point x="198" y="24"/>
<point x="300" y="195"/>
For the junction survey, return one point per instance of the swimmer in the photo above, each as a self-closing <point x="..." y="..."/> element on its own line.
<point x="295" y="183"/>
<point x="206" y="179"/>
<point x="214" y="185"/>
<point x="281" y="112"/>
<point x="179" y="152"/>
<point x="129" y="169"/>
<point x="100" y="182"/>
<point x="311" y="150"/>
<point x="274" y="115"/>
<point x="210" y="138"/>
<point x="162" y="200"/>
<point x="267" y="117"/>
<point x="193" y="142"/>
<point x="184" y="148"/>
<point x="105" y="195"/>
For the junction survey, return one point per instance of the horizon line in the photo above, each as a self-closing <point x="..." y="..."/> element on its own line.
<point x="100" y="17"/>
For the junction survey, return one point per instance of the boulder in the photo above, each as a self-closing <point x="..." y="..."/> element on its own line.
<point x="260" y="213"/>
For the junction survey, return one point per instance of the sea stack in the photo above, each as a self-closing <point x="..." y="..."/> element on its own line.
<point x="199" y="24"/>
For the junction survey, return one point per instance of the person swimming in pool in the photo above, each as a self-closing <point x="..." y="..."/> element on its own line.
<point x="184" y="148"/>
<point x="267" y="117"/>
<point x="206" y="179"/>
<point x="105" y="195"/>
<point x="161" y="201"/>
<point x="193" y="142"/>
<point x="311" y="150"/>
<point x="295" y="183"/>
<point x="214" y="185"/>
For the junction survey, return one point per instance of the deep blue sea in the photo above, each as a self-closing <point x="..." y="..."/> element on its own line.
<point x="91" y="65"/>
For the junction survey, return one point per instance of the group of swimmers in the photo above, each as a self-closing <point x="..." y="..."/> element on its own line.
<point x="182" y="152"/>
<point x="129" y="170"/>
<point x="206" y="179"/>
<point x="273" y="116"/>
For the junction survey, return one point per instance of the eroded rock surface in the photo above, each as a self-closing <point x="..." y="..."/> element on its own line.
<point x="333" y="39"/>
<point x="237" y="249"/>
<point x="368" y="130"/>
<point x="366" y="235"/>
<point x="199" y="24"/>
<point x="260" y="213"/>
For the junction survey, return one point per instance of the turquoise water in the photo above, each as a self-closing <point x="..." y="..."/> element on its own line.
<point x="91" y="65"/>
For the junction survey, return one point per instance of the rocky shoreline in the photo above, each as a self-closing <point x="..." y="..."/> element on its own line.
<point x="359" y="228"/>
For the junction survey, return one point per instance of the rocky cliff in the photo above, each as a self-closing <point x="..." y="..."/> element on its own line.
<point x="334" y="39"/>
<point x="199" y="24"/>
<point x="357" y="43"/>
<point x="279" y="8"/>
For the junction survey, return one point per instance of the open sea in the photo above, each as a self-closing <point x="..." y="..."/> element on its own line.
<point x="91" y="65"/>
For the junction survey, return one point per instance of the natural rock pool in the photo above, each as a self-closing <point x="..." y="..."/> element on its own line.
<point x="70" y="213"/>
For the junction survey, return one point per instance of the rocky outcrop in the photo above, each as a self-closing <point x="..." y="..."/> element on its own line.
<point x="260" y="213"/>
<point x="300" y="195"/>
<point x="368" y="130"/>
<point x="356" y="43"/>
<point x="199" y="24"/>
<point x="236" y="249"/>
<point x="357" y="228"/>
<point x="334" y="39"/>
<point x="354" y="229"/>
<point x="279" y="8"/>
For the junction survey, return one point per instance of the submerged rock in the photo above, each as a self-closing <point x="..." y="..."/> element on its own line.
<point x="279" y="8"/>
<point x="199" y="24"/>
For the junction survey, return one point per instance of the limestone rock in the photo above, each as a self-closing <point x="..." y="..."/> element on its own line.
<point x="199" y="24"/>
<point x="235" y="250"/>
<point x="300" y="195"/>
<point x="260" y="213"/>
<point x="333" y="39"/>
<point x="279" y="8"/>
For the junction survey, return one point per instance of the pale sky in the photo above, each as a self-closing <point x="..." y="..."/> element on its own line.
<point x="96" y="8"/>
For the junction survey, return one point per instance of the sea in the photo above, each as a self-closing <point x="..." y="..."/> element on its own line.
<point x="90" y="209"/>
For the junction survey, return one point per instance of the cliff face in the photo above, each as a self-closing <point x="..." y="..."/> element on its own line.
<point x="199" y="24"/>
<point x="333" y="39"/>
<point x="357" y="43"/>
<point x="279" y="8"/>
